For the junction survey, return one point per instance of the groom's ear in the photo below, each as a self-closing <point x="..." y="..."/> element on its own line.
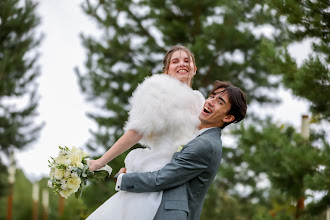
<point x="228" y="118"/>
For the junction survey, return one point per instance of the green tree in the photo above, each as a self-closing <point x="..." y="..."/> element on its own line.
<point x="309" y="167"/>
<point x="18" y="72"/>
<point x="22" y="198"/>
<point x="136" y="35"/>
<point x="307" y="20"/>
<point x="291" y="163"/>
<point x="225" y="38"/>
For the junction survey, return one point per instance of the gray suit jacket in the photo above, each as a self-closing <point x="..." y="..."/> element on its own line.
<point x="184" y="180"/>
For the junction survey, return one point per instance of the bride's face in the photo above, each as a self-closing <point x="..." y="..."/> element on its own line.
<point x="182" y="67"/>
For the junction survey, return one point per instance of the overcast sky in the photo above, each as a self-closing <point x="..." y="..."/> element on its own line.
<point x="63" y="108"/>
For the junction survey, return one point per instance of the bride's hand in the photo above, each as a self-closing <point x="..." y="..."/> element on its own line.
<point x="94" y="165"/>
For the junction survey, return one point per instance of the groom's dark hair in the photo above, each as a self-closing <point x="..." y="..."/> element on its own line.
<point x="236" y="98"/>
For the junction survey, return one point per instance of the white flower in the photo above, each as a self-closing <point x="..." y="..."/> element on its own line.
<point x="58" y="174"/>
<point x="68" y="171"/>
<point x="67" y="174"/>
<point x="79" y="151"/>
<point x="61" y="160"/>
<point x="74" y="174"/>
<point x="74" y="183"/>
<point x="67" y="162"/>
<point x="64" y="186"/>
<point x="66" y="193"/>
<point x="75" y="158"/>
<point x="80" y="165"/>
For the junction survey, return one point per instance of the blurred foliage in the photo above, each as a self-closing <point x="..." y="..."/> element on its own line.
<point x="308" y="20"/>
<point x="18" y="72"/>
<point x="22" y="200"/>
<point x="3" y="179"/>
<point x="271" y="166"/>
<point x="136" y="34"/>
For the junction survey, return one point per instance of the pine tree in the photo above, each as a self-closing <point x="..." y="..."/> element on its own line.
<point x="308" y="20"/>
<point x="136" y="35"/>
<point x="225" y="38"/>
<point x="291" y="163"/>
<point x="18" y="72"/>
<point x="305" y="20"/>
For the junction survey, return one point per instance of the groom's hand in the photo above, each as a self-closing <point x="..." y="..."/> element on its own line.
<point x="122" y="170"/>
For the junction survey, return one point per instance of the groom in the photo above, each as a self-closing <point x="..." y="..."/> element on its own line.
<point x="186" y="179"/>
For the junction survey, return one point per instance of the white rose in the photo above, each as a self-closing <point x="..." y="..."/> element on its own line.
<point x="66" y="193"/>
<point x="67" y="174"/>
<point x="50" y="184"/>
<point x="61" y="159"/>
<point x="79" y="151"/>
<point x="75" y="158"/>
<point x="74" y="183"/>
<point x="80" y="165"/>
<point x="58" y="174"/>
<point x="74" y="174"/>
<point x="64" y="186"/>
<point x="67" y="162"/>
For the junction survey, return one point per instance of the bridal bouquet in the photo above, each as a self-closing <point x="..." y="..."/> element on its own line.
<point x="69" y="172"/>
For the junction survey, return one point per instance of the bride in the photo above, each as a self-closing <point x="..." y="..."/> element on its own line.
<point x="163" y="116"/>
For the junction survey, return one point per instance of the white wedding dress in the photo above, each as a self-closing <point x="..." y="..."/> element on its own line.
<point x="166" y="112"/>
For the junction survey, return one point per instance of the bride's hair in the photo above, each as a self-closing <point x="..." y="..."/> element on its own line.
<point x="168" y="55"/>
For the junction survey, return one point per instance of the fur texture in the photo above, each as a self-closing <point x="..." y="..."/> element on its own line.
<point x="166" y="112"/>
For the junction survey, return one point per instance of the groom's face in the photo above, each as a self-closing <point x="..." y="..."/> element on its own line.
<point x="215" y="111"/>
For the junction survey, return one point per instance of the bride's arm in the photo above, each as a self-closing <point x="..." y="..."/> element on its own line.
<point x="125" y="142"/>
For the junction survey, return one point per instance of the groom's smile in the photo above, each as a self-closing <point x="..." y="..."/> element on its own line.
<point x="207" y="110"/>
<point x="216" y="109"/>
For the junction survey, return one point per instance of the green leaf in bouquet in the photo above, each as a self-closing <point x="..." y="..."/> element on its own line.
<point x="79" y="172"/>
<point x="98" y="175"/>
<point x="79" y="193"/>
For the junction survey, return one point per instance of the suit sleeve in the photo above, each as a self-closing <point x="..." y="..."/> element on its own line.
<point x="189" y="163"/>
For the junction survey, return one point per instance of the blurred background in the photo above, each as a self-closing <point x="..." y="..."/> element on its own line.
<point x="67" y="69"/>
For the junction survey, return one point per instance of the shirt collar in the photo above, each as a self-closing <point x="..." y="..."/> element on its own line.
<point x="204" y="129"/>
